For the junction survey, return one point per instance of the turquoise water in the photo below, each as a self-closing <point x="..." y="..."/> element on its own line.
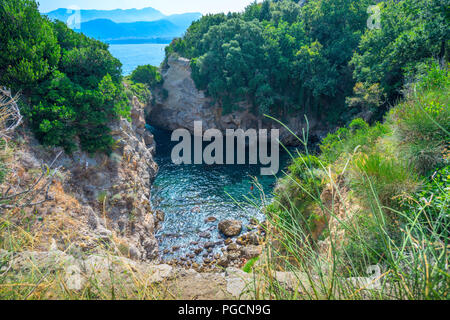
<point x="133" y="55"/>
<point x="188" y="194"/>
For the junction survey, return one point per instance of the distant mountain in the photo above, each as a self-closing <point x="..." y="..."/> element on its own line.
<point x="183" y="20"/>
<point x="109" y="31"/>
<point x="120" y="16"/>
<point x="146" y="25"/>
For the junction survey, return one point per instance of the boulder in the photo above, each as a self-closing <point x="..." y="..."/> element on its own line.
<point x="230" y="228"/>
<point x="250" y="252"/>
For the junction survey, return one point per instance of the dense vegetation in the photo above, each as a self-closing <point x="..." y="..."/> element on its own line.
<point x="282" y="57"/>
<point x="390" y="203"/>
<point x="72" y="84"/>
<point x="148" y="75"/>
<point x="376" y="194"/>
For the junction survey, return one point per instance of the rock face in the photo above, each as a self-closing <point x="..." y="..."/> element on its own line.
<point x="230" y="228"/>
<point x="97" y="199"/>
<point x="128" y="278"/>
<point x="185" y="104"/>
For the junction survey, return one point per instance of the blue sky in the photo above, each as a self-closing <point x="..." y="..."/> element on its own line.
<point x="165" y="6"/>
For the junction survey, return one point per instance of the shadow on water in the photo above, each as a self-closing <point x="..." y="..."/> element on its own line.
<point x="189" y="194"/>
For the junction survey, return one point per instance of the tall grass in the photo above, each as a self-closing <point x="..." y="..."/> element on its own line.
<point x="412" y="254"/>
<point x="28" y="273"/>
<point x="382" y="220"/>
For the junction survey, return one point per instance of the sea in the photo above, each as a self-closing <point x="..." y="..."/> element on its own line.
<point x="133" y="55"/>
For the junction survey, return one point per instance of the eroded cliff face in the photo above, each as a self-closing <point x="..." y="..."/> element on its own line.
<point x="186" y="104"/>
<point x="95" y="201"/>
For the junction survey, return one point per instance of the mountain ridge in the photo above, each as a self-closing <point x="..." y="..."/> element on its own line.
<point x="146" y="25"/>
<point x="119" y="15"/>
<point x="110" y="31"/>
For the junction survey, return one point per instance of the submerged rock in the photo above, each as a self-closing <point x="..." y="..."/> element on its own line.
<point x="210" y="219"/>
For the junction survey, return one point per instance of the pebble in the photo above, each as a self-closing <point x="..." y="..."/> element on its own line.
<point x="233" y="247"/>
<point x="208" y="245"/>
<point x="210" y="219"/>
<point x="205" y="235"/>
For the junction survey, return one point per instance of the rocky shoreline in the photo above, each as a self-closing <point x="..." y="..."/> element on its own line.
<point x="236" y="248"/>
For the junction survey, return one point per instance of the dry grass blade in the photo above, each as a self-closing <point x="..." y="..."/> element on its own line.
<point x="10" y="116"/>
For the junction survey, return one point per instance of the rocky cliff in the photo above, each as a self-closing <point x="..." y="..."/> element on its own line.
<point x="186" y="104"/>
<point x="94" y="202"/>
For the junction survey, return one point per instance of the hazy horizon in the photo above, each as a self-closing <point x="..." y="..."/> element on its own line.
<point x="166" y="7"/>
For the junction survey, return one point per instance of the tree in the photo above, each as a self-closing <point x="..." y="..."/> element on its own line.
<point x="29" y="50"/>
<point x="412" y="32"/>
<point x="148" y="75"/>
<point x="72" y="85"/>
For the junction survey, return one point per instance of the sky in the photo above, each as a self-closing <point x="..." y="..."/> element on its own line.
<point x="165" y="6"/>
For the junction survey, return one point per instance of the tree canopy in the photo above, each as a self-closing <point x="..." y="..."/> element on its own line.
<point x="284" y="57"/>
<point x="72" y="83"/>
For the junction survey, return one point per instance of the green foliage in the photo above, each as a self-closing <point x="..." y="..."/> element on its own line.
<point x="73" y="84"/>
<point x="434" y="198"/>
<point x="296" y="193"/>
<point x="138" y="90"/>
<point x="29" y="50"/>
<point x="3" y="168"/>
<point x="390" y="179"/>
<point x="422" y="121"/>
<point x="277" y="56"/>
<point x="412" y="31"/>
<point x="345" y="140"/>
<point x="389" y="206"/>
<point x="366" y="97"/>
<point x="148" y="75"/>
<point x="249" y="265"/>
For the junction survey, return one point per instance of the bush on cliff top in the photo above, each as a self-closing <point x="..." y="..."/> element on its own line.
<point x="72" y="84"/>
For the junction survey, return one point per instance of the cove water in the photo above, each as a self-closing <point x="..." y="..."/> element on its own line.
<point x="133" y="55"/>
<point x="189" y="194"/>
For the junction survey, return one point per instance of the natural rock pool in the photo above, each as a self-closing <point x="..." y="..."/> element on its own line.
<point x="190" y="194"/>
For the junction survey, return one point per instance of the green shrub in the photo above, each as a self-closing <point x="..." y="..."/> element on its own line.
<point x="139" y="90"/>
<point x="71" y="83"/>
<point x="346" y="140"/>
<point x="422" y="121"/>
<point x="296" y="193"/>
<point x="434" y="200"/>
<point x="366" y="97"/>
<point x="391" y="179"/>
<point x="29" y="50"/>
<point x="148" y="75"/>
